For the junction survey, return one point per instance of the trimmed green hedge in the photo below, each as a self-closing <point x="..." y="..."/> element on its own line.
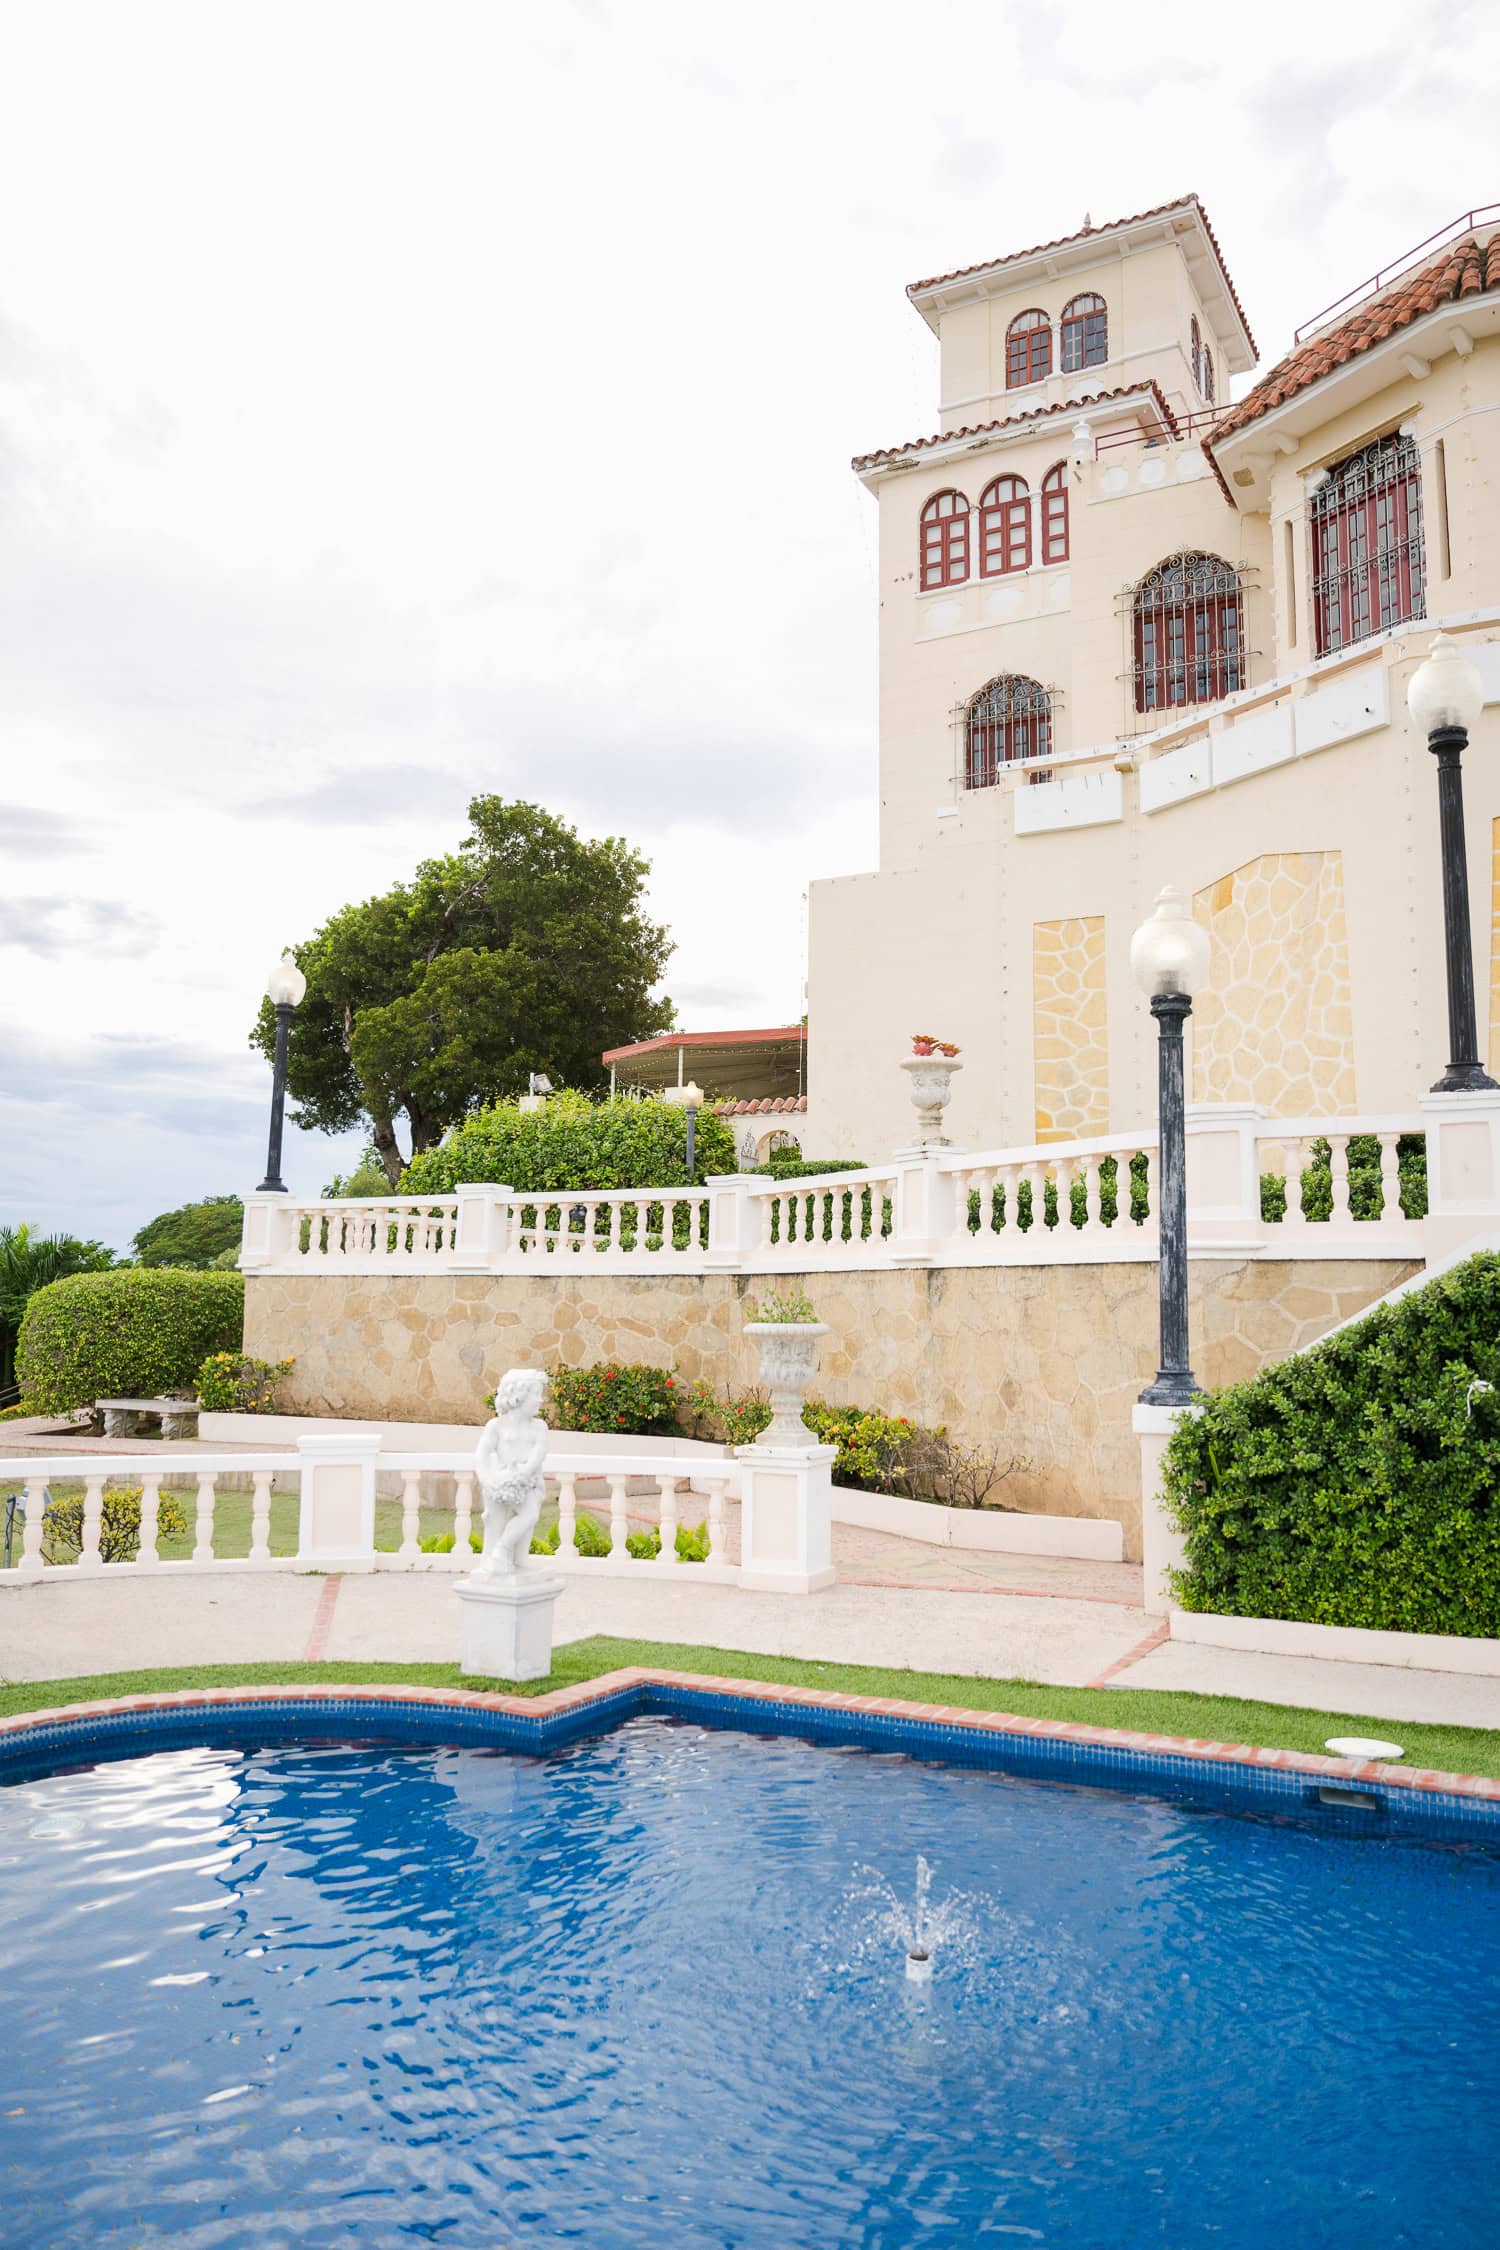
<point x="140" y="1332"/>
<point x="1359" y="1483"/>
<point x="573" y="1143"/>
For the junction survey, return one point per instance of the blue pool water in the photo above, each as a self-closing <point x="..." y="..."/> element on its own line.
<point x="625" y="1996"/>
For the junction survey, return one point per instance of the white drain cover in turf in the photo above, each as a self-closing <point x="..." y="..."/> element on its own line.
<point x="1361" y="1746"/>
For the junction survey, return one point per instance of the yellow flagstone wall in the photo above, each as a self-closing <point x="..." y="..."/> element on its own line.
<point x="1070" y="1032"/>
<point x="1276" y="1024"/>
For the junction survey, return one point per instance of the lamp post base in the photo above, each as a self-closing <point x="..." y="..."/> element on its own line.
<point x="1173" y="1387"/>
<point x="272" y="1187"/>
<point x="1465" y="1078"/>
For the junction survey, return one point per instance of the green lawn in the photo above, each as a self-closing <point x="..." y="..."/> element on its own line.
<point x="1219" y="1718"/>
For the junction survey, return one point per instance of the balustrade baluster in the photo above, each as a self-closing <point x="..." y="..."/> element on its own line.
<point x="716" y="1520"/>
<point x="203" y="1527"/>
<point x="567" y="1513"/>
<point x="1093" y="1195"/>
<point x="619" y="1522"/>
<point x="1390" y="1177"/>
<point x="1296" y="1216"/>
<point x="145" y="1552"/>
<point x="667" y="1487"/>
<point x="260" y="1515"/>
<point x="411" y="1494"/>
<point x="1037" y="1183"/>
<point x="1338" y="1166"/>
<point x="604" y="1240"/>
<point x="31" y="1537"/>
<point x="89" y="1557"/>
<point x="463" y="1512"/>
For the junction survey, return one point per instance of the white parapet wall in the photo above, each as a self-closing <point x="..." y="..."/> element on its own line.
<point x="1345" y="1644"/>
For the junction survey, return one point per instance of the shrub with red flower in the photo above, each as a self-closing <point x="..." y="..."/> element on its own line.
<point x="639" y="1400"/>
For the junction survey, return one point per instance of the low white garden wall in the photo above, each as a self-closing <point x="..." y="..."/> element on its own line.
<point x="1346" y="1644"/>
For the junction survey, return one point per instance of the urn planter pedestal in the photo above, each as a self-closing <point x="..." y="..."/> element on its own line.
<point x="788" y="1351"/>
<point x="786" y="1501"/>
<point x="930" y="1082"/>
<point x="507" y="1624"/>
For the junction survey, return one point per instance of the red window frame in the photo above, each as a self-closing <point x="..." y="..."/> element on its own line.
<point x="1189" y="633"/>
<point x="944" y="540"/>
<point x="1055" y="514"/>
<point x="1009" y="718"/>
<point x="1085" y="332"/>
<point x="1028" y="349"/>
<point x="1004" y="527"/>
<point x="1369" y="556"/>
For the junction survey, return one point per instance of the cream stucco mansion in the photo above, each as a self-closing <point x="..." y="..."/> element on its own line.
<point x="1132" y="633"/>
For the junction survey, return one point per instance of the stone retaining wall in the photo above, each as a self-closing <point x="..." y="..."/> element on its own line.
<point x="1042" y="1361"/>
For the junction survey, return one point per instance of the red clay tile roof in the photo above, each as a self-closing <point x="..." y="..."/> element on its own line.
<point x="771" y="1107"/>
<point x="1157" y="211"/>
<point x="1150" y="388"/>
<point x="1465" y="269"/>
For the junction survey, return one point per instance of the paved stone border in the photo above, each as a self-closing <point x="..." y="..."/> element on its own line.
<point x="570" y="1699"/>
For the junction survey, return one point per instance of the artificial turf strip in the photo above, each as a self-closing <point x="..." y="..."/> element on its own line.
<point x="1216" y="1718"/>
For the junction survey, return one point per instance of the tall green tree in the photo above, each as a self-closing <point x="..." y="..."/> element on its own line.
<point x="195" y="1235"/>
<point x="526" y="950"/>
<point x="27" y="1263"/>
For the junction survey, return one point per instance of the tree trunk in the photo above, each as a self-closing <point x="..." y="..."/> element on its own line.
<point x="387" y="1150"/>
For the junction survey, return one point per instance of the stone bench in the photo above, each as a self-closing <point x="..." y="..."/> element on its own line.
<point x="174" y="1415"/>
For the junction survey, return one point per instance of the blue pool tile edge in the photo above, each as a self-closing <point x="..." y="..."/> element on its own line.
<point x="1353" y="1797"/>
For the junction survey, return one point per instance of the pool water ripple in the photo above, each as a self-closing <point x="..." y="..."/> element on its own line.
<point x="622" y="1996"/>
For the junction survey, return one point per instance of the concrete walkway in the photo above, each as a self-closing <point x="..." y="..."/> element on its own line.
<point x="1056" y="1633"/>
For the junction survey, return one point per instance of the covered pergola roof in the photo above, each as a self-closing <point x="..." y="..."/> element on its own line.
<point x="742" y="1066"/>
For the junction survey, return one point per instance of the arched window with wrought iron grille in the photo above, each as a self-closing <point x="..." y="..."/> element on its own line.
<point x="1009" y="718"/>
<point x="1055" y="514"/>
<point x="1085" y="333"/>
<point x="1189" y="633"/>
<point x="1028" y="349"/>
<point x="945" y="540"/>
<point x="1195" y="353"/>
<point x="1208" y="373"/>
<point x="1369" y="565"/>
<point x="1004" y="527"/>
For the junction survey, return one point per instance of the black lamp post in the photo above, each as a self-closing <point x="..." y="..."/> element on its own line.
<point x="285" y="988"/>
<point x="1445" y="696"/>
<point x="1169" y="957"/>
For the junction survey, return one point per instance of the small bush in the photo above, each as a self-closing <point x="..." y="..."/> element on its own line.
<point x="627" y="1400"/>
<point x="573" y="1143"/>
<point x="139" y="1332"/>
<point x="1359" y="1482"/>
<point x="787" y="1308"/>
<point x="722" y="1418"/>
<point x="891" y="1453"/>
<point x="119" y="1528"/>
<point x="689" y="1545"/>
<point x="234" y="1383"/>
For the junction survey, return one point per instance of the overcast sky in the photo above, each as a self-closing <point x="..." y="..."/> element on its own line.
<point x="400" y="402"/>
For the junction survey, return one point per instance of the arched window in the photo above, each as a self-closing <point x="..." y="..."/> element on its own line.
<point x="1028" y="349"/>
<point x="945" y="540"/>
<point x="1189" y="633"/>
<point x="1368" y="559"/>
<point x="1004" y="527"/>
<point x="1009" y="718"/>
<point x="1055" y="514"/>
<point x="1195" y="353"/>
<point x="1085" y="333"/>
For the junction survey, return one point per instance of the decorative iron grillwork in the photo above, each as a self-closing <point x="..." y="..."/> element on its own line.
<point x="1009" y="718"/>
<point x="1369" y="561"/>
<point x="1189" y="633"/>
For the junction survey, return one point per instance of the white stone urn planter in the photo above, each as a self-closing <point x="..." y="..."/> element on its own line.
<point x="788" y="1350"/>
<point x="931" y="1082"/>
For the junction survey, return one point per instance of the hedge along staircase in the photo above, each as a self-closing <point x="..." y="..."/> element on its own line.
<point x="1346" y="1501"/>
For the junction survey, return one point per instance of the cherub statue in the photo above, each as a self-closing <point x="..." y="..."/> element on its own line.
<point x="509" y="1465"/>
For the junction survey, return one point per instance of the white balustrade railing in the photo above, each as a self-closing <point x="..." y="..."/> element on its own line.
<point x="613" y="1513"/>
<point x="1066" y="1202"/>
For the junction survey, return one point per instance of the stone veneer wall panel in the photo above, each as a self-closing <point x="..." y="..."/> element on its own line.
<point x="1070" y="1033"/>
<point x="1043" y="1362"/>
<point x="1276" y="1023"/>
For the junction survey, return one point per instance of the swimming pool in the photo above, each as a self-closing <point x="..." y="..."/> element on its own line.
<point x="630" y="1992"/>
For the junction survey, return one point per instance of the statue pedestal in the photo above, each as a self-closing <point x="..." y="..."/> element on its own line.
<point x="507" y="1625"/>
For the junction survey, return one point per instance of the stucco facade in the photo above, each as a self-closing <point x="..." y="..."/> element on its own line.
<point x="1042" y="1362"/>
<point x="1298" y="808"/>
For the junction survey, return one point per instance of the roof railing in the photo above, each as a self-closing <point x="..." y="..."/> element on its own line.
<point x="1465" y="223"/>
<point x="1184" y="425"/>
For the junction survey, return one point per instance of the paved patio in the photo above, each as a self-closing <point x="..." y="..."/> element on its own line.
<point x="888" y="1609"/>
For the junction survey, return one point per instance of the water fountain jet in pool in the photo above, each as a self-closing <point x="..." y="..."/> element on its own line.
<point x="920" y="1929"/>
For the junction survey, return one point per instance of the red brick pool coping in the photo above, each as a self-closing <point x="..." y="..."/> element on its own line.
<point x="558" y="1700"/>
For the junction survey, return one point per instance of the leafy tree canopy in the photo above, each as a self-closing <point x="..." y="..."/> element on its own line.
<point x="197" y="1235"/>
<point x="525" y="950"/>
<point x="29" y="1261"/>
